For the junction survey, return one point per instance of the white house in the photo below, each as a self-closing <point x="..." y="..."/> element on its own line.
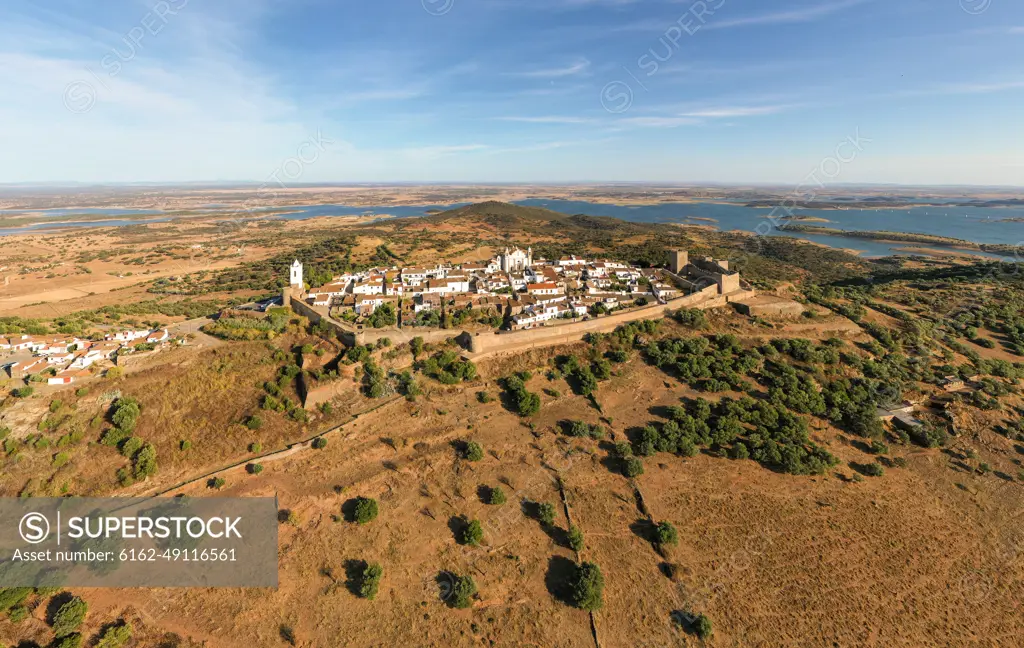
<point x="541" y="289"/>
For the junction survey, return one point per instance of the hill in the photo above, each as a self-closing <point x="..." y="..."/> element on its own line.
<point x="509" y="217"/>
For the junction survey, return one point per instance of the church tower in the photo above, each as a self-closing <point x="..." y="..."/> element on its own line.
<point x="296" y="275"/>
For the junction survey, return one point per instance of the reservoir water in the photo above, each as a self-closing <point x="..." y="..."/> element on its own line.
<point x="971" y="223"/>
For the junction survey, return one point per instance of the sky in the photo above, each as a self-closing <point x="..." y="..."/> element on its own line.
<point x="558" y="91"/>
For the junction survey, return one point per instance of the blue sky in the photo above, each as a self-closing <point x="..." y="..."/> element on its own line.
<point x="758" y="91"/>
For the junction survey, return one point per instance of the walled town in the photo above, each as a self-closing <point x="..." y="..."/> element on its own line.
<point x="514" y="290"/>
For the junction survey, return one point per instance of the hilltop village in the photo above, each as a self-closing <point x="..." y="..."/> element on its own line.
<point x="513" y="290"/>
<point x="63" y="359"/>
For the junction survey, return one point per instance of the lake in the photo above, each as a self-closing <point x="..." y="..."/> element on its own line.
<point x="978" y="224"/>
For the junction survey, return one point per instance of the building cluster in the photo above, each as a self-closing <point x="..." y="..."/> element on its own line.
<point x="66" y="357"/>
<point x="514" y="285"/>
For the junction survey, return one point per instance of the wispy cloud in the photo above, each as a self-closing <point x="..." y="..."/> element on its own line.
<point x="720" y="112"/>
<point x="572" y="69"/>
<point x="802" y="15"/>
<point x="549" y="119"/>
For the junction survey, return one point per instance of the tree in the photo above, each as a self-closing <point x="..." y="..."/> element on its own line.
<point x="587" y="587"/>
<point x="633" y="467"/>
<point x="472" y="533"/>
<point x="463" y="590"/>
<point x="73" y="640"/>
<point x="115" y="636"/>
<point x="69" y="616"/>
<point x="126" y="414"/>
<point x="319" y="443"/>
<point x="254" y="468"/>
<point x="496" y="496"/>
<point x="575" y="539"/>
<point x="144" y="462"/>
<point x="665" y="534"/>
<point x="702" y="627"/>
<point x="546" y="513"/>
<point x="416" y="345"/>
<point x="365" y="510"/>
<point x="370" y="581"/>
<point x="527" y="404"/>
<point x="471" y="451"/>
<point x="254" y="422"/>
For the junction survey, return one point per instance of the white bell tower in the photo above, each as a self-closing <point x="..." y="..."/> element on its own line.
<point x="296" y="275"/>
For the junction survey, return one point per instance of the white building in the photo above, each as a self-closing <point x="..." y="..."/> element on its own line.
<point x="295" y="278"/>
<point x="515" y="260"/>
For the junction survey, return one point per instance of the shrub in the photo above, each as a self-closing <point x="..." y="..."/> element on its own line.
<point x="366" y="510"/>
<point x="254" y="422"/>
<point x="471" y="451"/>
<point x="622" y="450"/>
<point x="185" y="445"/>
<point x="55" y="405"/>
<point x="73" y="640"/>
<point x="579" y="429"/>
<point x="255" y="447"/>
<point x="61" y="459"/>
<point x="879" y="448"/>
<point x="131" y="445"/>
<point x="254" y="468"/>
<point x="633" y="467"/>
<point x="587" y="587"/>
<point x="575" y="539"/>
<point x="22" y="392"/>
<point x="472" y="533"/>
<point x="463" y="590"/>
<point x="319" y="443"/>
<point x="13" y="596"/>
<point x="874" y="469"/>
<point x="126" y="414"/>
<point x="18" y="614"/>
<point x="546" y="513"/>
<point x="114" y="373"/>
<point x="496" y="496"/>
<point x="144" y="462"/>
<point x="69" y="617"/>
<point x="115" y="636"/>
<point x="665" y="534"/>
<point x="702" y="627"/>
<point x="217" y="483"/>
<point x="527" y="404"/>
<point x="81" y="391"/>
<point x="370" y="581"/>
<point x="484" y="397"/>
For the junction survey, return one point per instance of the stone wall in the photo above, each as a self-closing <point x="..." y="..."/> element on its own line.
<point x="487" y="344"/>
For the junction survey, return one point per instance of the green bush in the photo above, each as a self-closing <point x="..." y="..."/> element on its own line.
<point x="144" y="462"/>
<point x="126" y="414"/>
<point x="587" y="587"/>
<point x="115" y="636"/>
<point x="55" y="405"/>
<point x="255" y="447"/>
<point x="254" y="422"/>
<point x="184" y="445"/>
<point x="575" y="539"/>
<point x="873" y="469"/>
<point x="370" y="581"/>
<point x="13" y="596"/>
<point x="702" y="627"/>
<point x="366" y="510"/>
<point x="496" y="496"/>
<point x="254" y="468"/>
<point x="472" y="534"/>
<point x="546" y="513"/>
<point x="69" y="617"/>
<point x="22" y="392"/>
<point x="633" y="467"/>
<point x="484" y="397"/>
<point x="665" y="534"/>
<point x="131" y="445"/>
<point x="463" y="590"/>
<point x="217" y="483"/>
<point x="73" y="640"/>
<point x="319" y="443"/>
<point x="471" y="451"/>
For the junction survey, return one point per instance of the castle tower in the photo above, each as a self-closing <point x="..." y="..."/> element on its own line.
<point x="678" y="260"/>
<point x="295" y="280"/>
